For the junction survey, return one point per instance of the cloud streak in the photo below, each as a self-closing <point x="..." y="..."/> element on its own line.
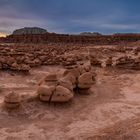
<point x="75" y="16"/>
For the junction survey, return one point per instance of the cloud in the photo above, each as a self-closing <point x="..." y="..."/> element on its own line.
<point x="71" y="16"/>
<point x="9" y="24"/>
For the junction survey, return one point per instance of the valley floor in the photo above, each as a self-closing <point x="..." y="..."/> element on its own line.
<point x="111" y="112"/>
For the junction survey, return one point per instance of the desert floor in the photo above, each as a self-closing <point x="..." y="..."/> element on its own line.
<point x="111" y="112"/>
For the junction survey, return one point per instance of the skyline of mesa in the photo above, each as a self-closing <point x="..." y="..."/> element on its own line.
<point x="75" y="16"/>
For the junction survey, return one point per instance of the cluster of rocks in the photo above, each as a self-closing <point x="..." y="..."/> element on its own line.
<point x="75" y="78"/>
<point x="123" y="61"/>
<point x="128" y="62"/>
<point x="25" y="57"/>
<point x="125" y="57"/>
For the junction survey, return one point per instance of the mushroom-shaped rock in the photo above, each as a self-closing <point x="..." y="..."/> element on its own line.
<point x="86" y="80"/>
<point x="61" y="94"/>
<point x="45" y="92"/>
<point x="12" y="100"/>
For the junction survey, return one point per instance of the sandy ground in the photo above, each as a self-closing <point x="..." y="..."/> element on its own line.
<point x="112" y="112"/>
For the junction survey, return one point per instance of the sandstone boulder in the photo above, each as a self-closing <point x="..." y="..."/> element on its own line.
<point x="12" y="100"/>
<point x="86" y="80"/>
<point x="45" y="92"/>
<point x="62" y="94"/>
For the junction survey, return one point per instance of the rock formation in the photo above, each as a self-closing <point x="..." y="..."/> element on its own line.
<point x="12" y="100"/>
<point x="91" y="34"/>
<point x="83" y="77"/>
<point x="52" y="90"/>
<point x="45" y="92"/>
<point x="61" y="94"/>
<point x="85" y="81"/>
<point x="29" y="30"/>
<point x="128" y="62"/>
<point x="37" y="35"/>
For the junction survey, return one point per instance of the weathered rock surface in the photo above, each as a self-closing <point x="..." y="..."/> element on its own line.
<point x="62" y="94"/>
<point x="85" y="81"/>
<point x="45" y="92"/>
<point x="128" y="62"/>
<point x="52" y="89"/>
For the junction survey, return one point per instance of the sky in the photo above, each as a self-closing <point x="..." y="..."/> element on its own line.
<point x="71" y="16"/>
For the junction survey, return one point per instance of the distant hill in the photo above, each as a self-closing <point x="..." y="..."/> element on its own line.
<point x="126" y="34"/>
<point x="29" y="30"/>
<point x="90" y="34"/>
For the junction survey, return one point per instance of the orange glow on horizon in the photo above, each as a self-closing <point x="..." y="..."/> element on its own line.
<point x="3" y="35"/>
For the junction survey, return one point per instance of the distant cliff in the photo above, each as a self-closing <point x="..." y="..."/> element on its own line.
<point x="90" y="34"/>
<point x="29" y="30"/>
<point x="46" y="37"/>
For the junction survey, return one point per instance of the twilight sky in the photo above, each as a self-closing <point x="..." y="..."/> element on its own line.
<point x="71" y="16"/>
